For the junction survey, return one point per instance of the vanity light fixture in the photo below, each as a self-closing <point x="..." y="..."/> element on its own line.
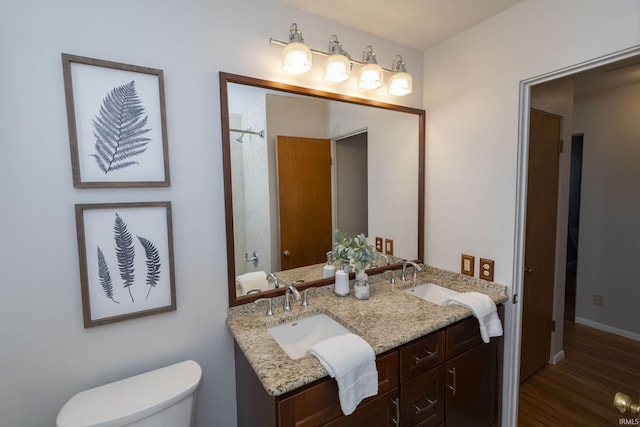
<point x="296" y="59"/>
<point x="337" y="66"/>
<point x="401" y="82"/>
<point x="370" y="76"/>
<point x="296" y="56"/>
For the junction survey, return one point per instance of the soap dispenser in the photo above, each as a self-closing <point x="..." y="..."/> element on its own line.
<point x="342" y="282"/>
<point x="329" y="269"/>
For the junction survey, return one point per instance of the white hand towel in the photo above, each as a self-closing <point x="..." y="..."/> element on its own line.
<point x="484" y="309"/>
<point x="351" y="361"/>
<point x="252" y="281"/>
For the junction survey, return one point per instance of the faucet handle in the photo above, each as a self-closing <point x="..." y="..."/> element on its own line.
<point x="305" y="302"/>
<point x="392" y="279"/>
<point x="269" y="308"/>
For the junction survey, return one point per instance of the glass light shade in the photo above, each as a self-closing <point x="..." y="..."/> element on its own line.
<point x="296" y="58"/>
<point x="337" y="68"/>
<point x="370" y="77"/>
<point x="400" y="84"/>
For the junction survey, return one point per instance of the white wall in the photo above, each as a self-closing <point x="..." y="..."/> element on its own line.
<point x="47" y="355"/>
<point x="471" y="94"/>
<point x="609" y="241"/>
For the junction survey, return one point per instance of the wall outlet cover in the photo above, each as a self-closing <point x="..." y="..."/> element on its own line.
<point x="379" y="244"/>
<point x="467" y="265"/>
<point x="486" y="269"/>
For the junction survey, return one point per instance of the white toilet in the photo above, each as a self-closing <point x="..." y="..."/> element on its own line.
<point x="165" y="397"/>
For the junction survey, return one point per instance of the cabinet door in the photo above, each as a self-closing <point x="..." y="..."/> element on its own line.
<point x="472" y="387"/>
<point x="422" y="400"/>
<point x="382" y="411"/>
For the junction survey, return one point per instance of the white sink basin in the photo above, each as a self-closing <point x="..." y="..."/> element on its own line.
<point x="298" y="336"/>
<point x="432" y="293"/>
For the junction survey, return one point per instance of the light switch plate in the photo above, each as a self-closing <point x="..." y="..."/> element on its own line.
<point x="388" y="247"/>
<point x="486" y="269"/>
<point x="467" y="265"/>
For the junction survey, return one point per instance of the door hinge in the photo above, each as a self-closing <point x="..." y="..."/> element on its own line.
<point x="515" y="298"/>
<point x="553" y="326"/>
<point x="560" y="146"/>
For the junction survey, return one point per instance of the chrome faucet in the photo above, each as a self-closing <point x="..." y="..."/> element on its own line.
<point x="291" y="290"/>
<point x="416" y="268"/>
<point x="277" y="282"/>
<point x="385" y="257"/>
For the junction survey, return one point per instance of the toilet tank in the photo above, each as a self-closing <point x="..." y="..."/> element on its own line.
<point x="161" y="398"/>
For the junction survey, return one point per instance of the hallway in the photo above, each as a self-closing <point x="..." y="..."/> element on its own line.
<point x="579" y="390"/>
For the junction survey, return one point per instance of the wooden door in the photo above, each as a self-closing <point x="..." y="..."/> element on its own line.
<point x="304" y="200"/>
<point x="540" y="241"/>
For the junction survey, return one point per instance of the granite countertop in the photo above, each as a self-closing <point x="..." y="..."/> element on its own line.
<point x="387" y="320"/>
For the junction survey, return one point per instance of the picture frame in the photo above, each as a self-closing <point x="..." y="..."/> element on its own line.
<point x="126" y="260"/>
<point x="107" y="150"/>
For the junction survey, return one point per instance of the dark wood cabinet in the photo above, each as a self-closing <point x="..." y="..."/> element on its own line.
<point x="447" y="378"/>
<point x="472" y="388"/>
<point x="452" y="378"/>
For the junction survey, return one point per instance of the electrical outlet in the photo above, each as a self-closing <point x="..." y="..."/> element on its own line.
<point x="467" y="265"/>
<point x="388" y="247"/>
<point x="379" y="244"/>
<point x="486" y="269"/>
<point x="598" y="299"/>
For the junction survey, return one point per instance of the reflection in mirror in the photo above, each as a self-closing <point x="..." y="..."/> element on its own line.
<point x="299" y="163"/>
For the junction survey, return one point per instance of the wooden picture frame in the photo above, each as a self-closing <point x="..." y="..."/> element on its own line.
<point x="126" y="260"/>
<point x="107" y="150"/>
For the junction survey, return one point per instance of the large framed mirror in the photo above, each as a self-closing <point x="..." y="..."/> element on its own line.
<point x="299" y="163"/>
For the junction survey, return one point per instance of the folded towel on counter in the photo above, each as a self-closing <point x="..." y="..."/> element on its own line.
<point x="256" y="280"/>
<point x="484" y="309"/>
<point x="351" y="361"/>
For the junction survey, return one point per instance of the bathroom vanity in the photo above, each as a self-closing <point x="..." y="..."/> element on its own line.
<point x="433" y="367"/>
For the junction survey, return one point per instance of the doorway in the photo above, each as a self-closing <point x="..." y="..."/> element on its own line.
<point x="352" y="198"/>
<point x="512" y="373"/>
<point x="573" y="227"/>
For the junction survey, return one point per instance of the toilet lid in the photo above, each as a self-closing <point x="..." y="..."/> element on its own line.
<point x="131" y="399"/>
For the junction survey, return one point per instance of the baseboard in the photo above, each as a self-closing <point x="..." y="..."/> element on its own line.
<point x="558" y="357"/>
<point x="607" y="328"/>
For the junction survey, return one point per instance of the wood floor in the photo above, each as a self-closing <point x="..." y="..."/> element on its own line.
<point x="579" y="390"/>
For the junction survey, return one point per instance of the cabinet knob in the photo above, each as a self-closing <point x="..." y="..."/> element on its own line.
<point x="286" y="253"/>
<point x="528" y="270"/>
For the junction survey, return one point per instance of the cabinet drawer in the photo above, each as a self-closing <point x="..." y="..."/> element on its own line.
<point x="462" y="336"/>
<point x="422" y="399"/>
<point x="383" y="411"/>
<point x="319" y="403"/>
<point x="465" y="334"/>
<point x="422" y="355"/>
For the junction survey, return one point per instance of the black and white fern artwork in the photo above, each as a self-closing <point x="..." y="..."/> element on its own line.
<point x="125" y="255"/>
<point x="153" y="263"/>
<point x="105" y="276"/>
<point x="119" y="129"/>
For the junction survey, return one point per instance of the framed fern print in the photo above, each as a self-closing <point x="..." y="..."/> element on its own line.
<point x="117" y="125"/>
<point x="126" y="260"/>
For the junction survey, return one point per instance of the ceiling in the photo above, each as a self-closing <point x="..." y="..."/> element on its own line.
<point x="420" y="24"/>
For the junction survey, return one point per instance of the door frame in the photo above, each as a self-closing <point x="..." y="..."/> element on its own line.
<point x="511" y="383"/>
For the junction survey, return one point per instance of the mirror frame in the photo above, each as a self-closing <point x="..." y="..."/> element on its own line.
<point x="225" y="79"/>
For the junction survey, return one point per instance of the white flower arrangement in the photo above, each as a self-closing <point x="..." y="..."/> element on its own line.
<point x="357" y="251"/>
